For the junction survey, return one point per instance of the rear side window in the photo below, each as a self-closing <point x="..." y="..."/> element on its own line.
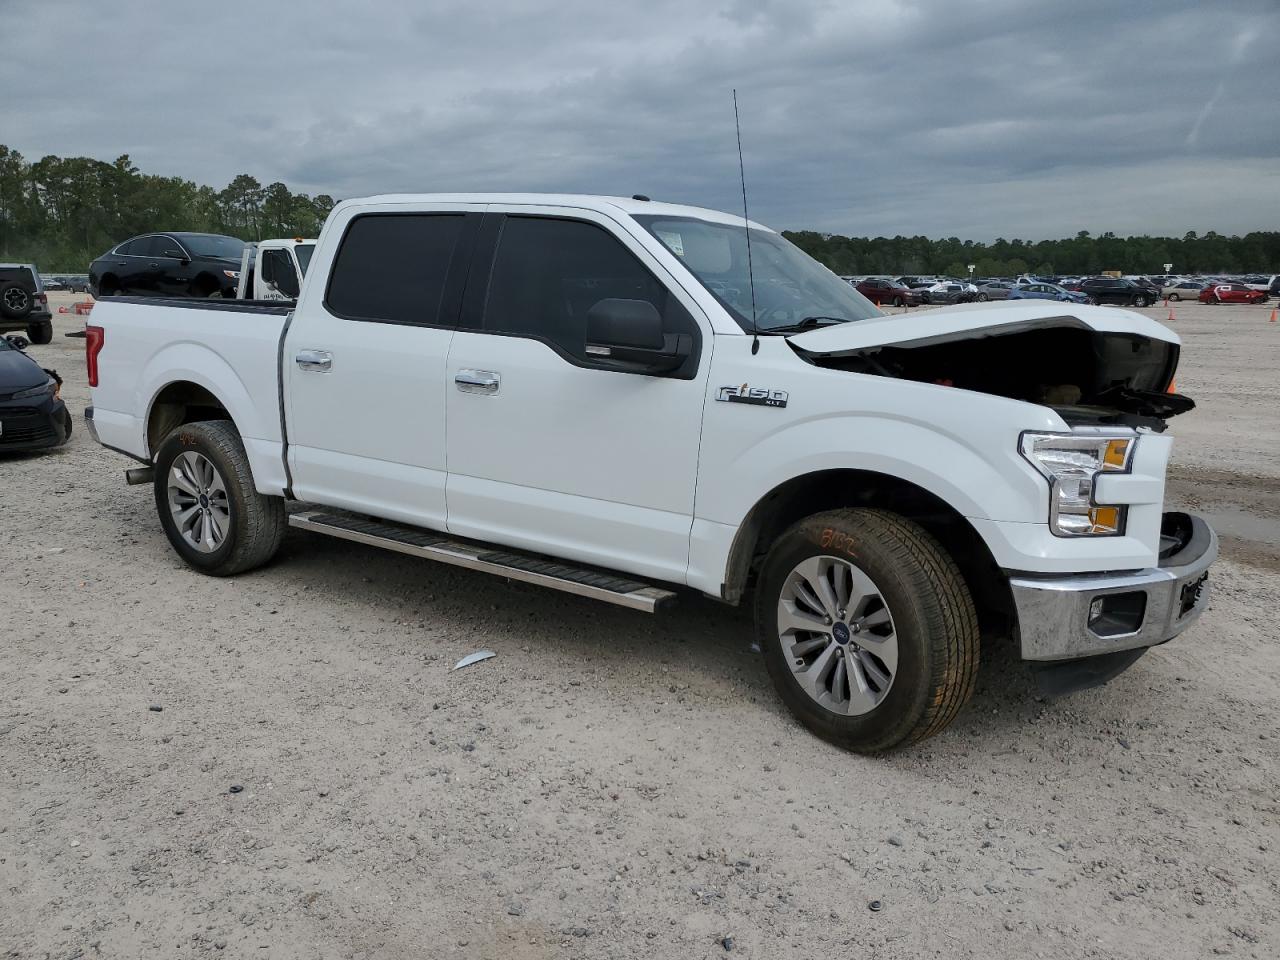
<point x="548" y="273"/>
<point x="391" y="268"/>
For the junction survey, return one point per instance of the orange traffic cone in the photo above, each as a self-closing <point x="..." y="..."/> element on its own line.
<point x="1171" y="317"/>
<point x="1273" y="315"/>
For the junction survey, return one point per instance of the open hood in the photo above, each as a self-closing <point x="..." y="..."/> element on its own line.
<point x="966" y="321"/>
<point x="1093" y="365"/>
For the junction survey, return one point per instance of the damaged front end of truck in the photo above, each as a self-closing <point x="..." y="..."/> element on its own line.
<point x="1092" y="366"/>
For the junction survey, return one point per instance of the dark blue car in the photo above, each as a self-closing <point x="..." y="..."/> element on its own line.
<point x="1046" y="291"/>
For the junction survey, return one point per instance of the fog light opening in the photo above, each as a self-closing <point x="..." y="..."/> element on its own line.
<point x="1117" y="614"/>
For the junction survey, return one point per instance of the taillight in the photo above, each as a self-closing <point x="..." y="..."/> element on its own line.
<point x="94" y="338"/>
<point x="43" y="298"/>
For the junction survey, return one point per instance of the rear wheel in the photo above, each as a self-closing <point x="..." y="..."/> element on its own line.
<point x="867" y="629"/>
<point x="41" y="332"/>
<point x="208" y="506"/>
<point x="982" y="298"/>
<point x="1174" y="297"/>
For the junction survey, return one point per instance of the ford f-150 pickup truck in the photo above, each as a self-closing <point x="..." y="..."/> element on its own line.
<point x="612" y="398"/>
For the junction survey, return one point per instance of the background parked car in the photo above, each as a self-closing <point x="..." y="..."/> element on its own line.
<point x="32" y="413"/>
<point x="1182" y="290"/>
<point x="993" y="290"/>
<point x="1231" y="293"/>
<point x="1117" y="290"/>
<point x="1046" y="291"/>
<point x="23" y="303"/>
<point x="1262" y="283"/>
<point x="888" y="293"/>
<point x="949" y="291"/>
<point x="169" y="265"/>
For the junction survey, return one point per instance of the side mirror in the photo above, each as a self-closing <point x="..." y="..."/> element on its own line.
<point x="18" y="343"/>
<point x="176" y="254"/>
<point x="630" y="332"/>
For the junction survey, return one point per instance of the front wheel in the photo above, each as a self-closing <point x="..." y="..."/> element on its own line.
<point x="982" y="298"/>
<point x="1139" y="301"/>
<point x="867" y="629"/>
<point x="210" y="511"/>
<point x="898" y="301"/>
<point x="1174" y="297"/>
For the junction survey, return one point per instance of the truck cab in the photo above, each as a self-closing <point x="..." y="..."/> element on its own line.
<point x="274" y="269"/>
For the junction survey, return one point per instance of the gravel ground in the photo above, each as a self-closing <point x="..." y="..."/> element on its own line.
<point x="283" y="765"/>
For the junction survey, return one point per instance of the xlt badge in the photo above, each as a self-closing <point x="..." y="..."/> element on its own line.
<point x="760" y="396"/>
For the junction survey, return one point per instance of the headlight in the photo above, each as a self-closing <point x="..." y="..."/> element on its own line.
<point x="231" y="274"/>
<point x="1070" y="462"/>
<point x="49" y="386"/>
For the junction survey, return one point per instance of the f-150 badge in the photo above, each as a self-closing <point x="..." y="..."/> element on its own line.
<point x="760" y="396"/>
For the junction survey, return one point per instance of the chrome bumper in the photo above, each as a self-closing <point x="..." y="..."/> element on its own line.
<point x="1055" y="621"/>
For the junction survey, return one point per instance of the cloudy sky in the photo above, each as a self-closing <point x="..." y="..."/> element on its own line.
<point x="1027" y="118"/>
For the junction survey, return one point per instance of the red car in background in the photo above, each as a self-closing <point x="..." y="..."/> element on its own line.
<point x="887" y="293"/>
<point x="1231" y="293"/>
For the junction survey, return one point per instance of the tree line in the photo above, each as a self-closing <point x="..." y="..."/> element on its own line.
<point x="62" y="212"/>
<point x="1081" y="255"/>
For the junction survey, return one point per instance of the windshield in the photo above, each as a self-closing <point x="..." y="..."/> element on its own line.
<point x="791" y="288"/>
<point x="212" y="245"/>
<point x="303" y="252"/>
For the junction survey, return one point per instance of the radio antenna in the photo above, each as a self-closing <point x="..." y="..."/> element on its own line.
<point x="746" y="228"/>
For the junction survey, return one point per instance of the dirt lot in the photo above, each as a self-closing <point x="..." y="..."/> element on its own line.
<point x="319" y="784"/>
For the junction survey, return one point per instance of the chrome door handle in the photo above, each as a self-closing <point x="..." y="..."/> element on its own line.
<point x="478" y="381"/>
<point x="314" y="359"/>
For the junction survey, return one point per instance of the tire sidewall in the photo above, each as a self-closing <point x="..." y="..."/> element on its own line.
<point x="193" y="437"/>
<point x="907" y="698"/>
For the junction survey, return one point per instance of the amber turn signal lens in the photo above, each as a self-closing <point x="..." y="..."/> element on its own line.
<point x="1105" y="519"/>
<point x="1117" y="455"/>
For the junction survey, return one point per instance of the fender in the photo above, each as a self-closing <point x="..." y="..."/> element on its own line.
<point x="257" y="423"/>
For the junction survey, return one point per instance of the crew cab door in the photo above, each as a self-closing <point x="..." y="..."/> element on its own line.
<point x="553" y="448"/>
<point x="364" y="360"/>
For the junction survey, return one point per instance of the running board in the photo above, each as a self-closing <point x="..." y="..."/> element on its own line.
<point x="515" y="566"/>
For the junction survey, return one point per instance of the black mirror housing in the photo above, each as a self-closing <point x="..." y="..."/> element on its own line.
<point x="629" y="332"/>
<point x="625" y="323"/>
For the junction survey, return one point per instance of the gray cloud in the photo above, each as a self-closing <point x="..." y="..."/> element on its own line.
<point x="1008" y="117"/>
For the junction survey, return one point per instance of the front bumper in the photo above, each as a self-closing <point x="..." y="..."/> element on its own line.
<point x="1057" y="619"/>
<point x="33" y="424"/>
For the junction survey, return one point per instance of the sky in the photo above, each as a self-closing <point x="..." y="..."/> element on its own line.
<point x="979" y="119"/>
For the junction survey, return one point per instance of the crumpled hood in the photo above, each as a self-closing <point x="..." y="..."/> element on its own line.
<point x="970" y="320"/>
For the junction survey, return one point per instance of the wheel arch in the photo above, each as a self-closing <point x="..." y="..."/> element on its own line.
<point x="830" y="489"/>
<point x="180" y="402"/>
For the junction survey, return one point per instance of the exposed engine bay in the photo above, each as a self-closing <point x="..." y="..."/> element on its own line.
<point x="1086" y="376"/>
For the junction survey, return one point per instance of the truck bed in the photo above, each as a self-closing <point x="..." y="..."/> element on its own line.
<point x="155" y="347"/>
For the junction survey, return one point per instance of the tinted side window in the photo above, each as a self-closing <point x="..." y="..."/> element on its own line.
<point x="392" y="267"/>
<point x="132" y="248"/>
<point x="547" y="274"/>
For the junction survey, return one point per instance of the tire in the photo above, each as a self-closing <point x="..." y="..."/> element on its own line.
<point x="982" y="298"/>
<point x="16" y="301"/>
<point x="932" y="630"/>
<point x="1139" y="301"/>
<point x="41" y="332"/>
<point x="1174" y="297"/>
<point x="218" y="480"/>
<point x="898" y="301"/>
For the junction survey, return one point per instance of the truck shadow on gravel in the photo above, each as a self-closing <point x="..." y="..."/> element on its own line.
<point x="701" y="648"/>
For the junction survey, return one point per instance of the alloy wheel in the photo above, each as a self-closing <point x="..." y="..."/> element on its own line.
<point x="837" y="635"/>
<point x="198" y="501"/>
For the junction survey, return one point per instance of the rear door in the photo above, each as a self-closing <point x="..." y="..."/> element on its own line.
<point x="169" y="276"/>
<point x="551" y="448"/>
<point x="364" y="360"/>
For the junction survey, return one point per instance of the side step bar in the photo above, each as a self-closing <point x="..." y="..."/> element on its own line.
<point x="514" y="566"/>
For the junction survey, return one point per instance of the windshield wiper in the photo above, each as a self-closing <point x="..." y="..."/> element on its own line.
<point x="808" y="323"/>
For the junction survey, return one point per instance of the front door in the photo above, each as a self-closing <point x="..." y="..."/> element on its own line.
<point x="364" y="361"/>
<point x="554" y="449"/>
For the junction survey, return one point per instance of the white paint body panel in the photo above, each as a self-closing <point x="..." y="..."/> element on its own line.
<point x="646" y="475"/>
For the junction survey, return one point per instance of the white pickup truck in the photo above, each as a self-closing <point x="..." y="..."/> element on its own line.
<point x="601" y="396"/>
